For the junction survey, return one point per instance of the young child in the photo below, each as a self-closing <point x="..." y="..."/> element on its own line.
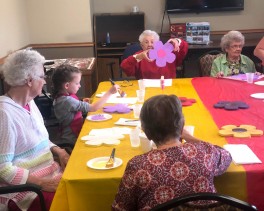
<point x="68" y="108"/>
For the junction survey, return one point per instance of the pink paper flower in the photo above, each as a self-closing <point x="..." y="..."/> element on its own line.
<point x="162" y="53"/>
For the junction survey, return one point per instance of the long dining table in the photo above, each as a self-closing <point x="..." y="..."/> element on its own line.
<point x="84" y="188"/>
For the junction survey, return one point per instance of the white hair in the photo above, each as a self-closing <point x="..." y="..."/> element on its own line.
<point x="230" y="37"/>
<point x="148" y="33"/>
<point x="21" y="65"/>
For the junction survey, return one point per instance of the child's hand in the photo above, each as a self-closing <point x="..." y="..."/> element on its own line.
<point x="87" y="100"/>
<point x="114" y="89"/>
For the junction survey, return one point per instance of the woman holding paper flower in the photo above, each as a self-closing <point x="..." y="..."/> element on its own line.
<point x="141" y="66"/>
<point x="232" y="62"/>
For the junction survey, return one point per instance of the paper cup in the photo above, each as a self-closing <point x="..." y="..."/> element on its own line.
<point x="134" y="137"/>
<point x="146" y="145"/>
<point x="137" y="109"/>
<point x="140" y="95"/>
<point x="250" y="77"/>
<point x="141" y="84"/>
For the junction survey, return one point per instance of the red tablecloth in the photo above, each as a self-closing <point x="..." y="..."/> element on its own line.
<point x="212" y="90"/>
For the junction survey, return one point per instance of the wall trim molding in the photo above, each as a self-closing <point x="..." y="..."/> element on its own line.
<point x="61" y="45"/>
<point x="243" y="31"/>
<point x="54" y="45"/>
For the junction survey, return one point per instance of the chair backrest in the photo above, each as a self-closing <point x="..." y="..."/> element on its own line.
<point x="206" y="61"/>
<point x="130" y="50"/>
<point x="224" y="199"/>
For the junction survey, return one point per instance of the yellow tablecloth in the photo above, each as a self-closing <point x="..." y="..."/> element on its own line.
<point x="82" y="188"/>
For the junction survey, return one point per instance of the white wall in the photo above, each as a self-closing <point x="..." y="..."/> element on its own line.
<point x="14" y="27"/>
<point x="59" y="21"/>
<point x="25" y="22"/>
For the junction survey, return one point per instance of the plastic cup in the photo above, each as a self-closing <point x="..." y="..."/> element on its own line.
<point x="141" y="84"/>
<point x="190" y="129"/>
<point x="137" y="109"/>
<point x="250" y="77"/>
<point x="141" y="95"/>
<point x="146" y="145"/>
<point x="134" y="137"/>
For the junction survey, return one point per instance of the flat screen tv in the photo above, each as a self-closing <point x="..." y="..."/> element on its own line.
<point x="198" y="6"/>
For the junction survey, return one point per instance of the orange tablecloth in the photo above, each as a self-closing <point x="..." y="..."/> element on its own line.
<point x="82" y="188"/>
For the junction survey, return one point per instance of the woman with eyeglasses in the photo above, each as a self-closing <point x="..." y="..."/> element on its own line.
<point x="141" y="66"/>
<point x="26" y="153"/>
<point x="232" y="62"/>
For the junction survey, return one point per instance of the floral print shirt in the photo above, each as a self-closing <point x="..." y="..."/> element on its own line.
<point x="221" y="64"/>
<point x="161" y="175"/>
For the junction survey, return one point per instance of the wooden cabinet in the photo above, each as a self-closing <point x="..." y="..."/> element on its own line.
<point x="123" y="29"/>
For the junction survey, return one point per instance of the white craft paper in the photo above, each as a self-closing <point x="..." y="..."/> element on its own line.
<point x="242" y="154"/>
<point x="156" y="82"/>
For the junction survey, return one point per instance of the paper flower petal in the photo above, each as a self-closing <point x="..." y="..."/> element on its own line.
<point x="162" y="53"/>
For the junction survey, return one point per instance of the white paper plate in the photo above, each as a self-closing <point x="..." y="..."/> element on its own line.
<point x="103" y="137"/>
<point x="95" y="143"/>
<point x="99" y="163"/>
<point x="103" y="117"/>
<point x="259" y="83"/>
<point x="258" y="95"/>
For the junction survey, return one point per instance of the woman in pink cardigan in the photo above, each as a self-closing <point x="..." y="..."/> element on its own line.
<point x="141" y="66"/>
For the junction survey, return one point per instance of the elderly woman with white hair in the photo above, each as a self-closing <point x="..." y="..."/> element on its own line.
<point x="141" y="66"/>
<point x="232" y="62"/>
<point x="26" y="153"/>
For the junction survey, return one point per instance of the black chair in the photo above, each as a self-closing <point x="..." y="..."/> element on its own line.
<point x="23" y="188"/>
<point x="130" y="50"/>
<point x="224" y="199"/>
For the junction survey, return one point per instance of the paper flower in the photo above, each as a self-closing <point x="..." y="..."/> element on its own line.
<point x="162" y="53"/>
<point x="187" y="102"/>
<point x="97" y="117"/>
<point x="242" y="131"/>
<point x="231" y="105"/>
<point x="119" y="108"/>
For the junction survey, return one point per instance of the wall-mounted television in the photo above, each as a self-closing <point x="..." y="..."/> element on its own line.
<point x="198" y="6"/>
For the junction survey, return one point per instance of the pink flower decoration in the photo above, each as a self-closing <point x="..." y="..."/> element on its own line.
<point x="187" y="102"/>
<point x="162" y="53"/>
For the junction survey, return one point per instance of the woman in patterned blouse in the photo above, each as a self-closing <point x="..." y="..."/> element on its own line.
<point x="173" y="169"/>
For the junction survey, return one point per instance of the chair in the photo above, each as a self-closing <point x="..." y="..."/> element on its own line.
<point x="206" y="61"/>
<point x="23" y="188"/>
<point x="224" y="199"/>
<point x="130" y="50"/>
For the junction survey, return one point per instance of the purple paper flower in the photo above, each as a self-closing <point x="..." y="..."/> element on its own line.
<point x="119" y="108"/>
<point x="162" y="53"/>
<point x="231" y="105"/>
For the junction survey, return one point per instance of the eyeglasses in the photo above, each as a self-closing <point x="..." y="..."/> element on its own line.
<point x="236" y="46"/>
<point x="126" y="83"/>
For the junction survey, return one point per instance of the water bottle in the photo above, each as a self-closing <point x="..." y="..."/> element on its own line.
<point x="108" y="38"/>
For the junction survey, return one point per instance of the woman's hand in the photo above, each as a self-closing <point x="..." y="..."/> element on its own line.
<point x="220" y="75"/>
<point x="48" y="185"/>
<point x="62" y="154"/>
<point x="143" y="55"/>
<point x="176" y="44"/>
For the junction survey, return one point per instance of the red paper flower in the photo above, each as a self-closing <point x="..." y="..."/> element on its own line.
<point x="187" y="102"/>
